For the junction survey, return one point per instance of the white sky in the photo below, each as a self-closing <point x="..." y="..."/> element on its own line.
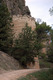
<point x="40" y="9"/>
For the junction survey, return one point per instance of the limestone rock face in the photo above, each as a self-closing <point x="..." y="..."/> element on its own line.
<point x="20" y="15"/>
<point x="20" y="22"/>
<point x="16" y="7"/>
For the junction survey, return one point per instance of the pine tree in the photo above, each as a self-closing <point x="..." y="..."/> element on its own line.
<point x="42" y="31"/>
<point x="5" y="28"/>
<point x="24" y="49"/>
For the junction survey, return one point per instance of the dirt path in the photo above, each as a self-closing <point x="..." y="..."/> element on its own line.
<point x="13" y="75"/>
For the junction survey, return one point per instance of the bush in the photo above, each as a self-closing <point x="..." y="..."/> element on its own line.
<point x="42" y="56"/>
<point x="45" y="64"/>
<point x="50" y="55"/>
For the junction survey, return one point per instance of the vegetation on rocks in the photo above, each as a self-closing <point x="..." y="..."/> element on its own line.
<point x="24" y="49"/>
<point x="5" y="28"/>
<point x="29" y="43"/>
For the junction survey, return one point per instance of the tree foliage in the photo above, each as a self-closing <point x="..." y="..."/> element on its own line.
<point x="51" y="11"/>
<point x="50" y="48"/>
<point x="24" y="49"/>
<point x="50" y="54"/>
<point x="42" y="31"/>
<point x="5" y="28"/>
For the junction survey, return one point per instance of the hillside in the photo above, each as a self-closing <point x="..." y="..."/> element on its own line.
<point x="7" y="62"/>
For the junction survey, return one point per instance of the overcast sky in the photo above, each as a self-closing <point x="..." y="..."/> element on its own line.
<point x="40" y="9"/>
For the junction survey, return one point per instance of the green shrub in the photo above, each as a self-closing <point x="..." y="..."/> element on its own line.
<point x="45" y="64"/>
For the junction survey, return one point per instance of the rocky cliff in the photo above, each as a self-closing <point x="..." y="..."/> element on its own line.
<point x="20" y="22"/>
<point x="20" y="15"/>
<point x="16" y="7"/>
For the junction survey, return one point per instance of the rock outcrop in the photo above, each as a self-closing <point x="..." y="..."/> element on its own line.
<point x="20" y="22"/>
<point x="8" y="63"/>
<point x="16" y="7"/>
<point x="20" y="15"/>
